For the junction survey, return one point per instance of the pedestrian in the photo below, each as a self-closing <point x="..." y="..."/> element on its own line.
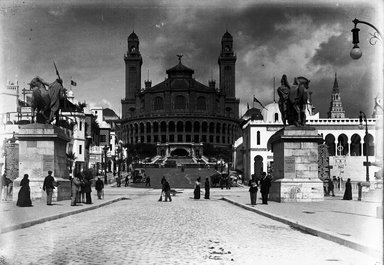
<point x="48" y="187"/>
<point x="167" y="191"/>
<point x="222" y="181"/>
<point x="253" y="192"/>
<point x="126" y="181"/>
<point x="87" y="190"/>
<point x="6" y="187"/>
<point x="265" y="184"/>
<point x="227" y="182"/>
<point x="197" y="189"/>
<point x="163" y="180"/>
<point x="24" y="196"/>
<point x="81" y="197"/>
<point x="331" y="188"/>
<point x="207" y="187"/>
<point x="148" y="181"/>
<point x="76" y="185"/>
<point x="99" y="186"/>
<point x="348" y="190"/>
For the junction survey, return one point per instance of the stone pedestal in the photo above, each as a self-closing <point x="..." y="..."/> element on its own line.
<point x="42" y="147"/>
<point x="295" y="165"/>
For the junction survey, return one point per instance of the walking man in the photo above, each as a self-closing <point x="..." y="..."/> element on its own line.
<point x="167" y="191"/>
<point x="76" y="184"/>
<point x="99" y="186"/>
<point x="48" y="186"/>
<point x="265" y="184"/>
<point x="148" y="181"/>
<point x="207" y="187"/>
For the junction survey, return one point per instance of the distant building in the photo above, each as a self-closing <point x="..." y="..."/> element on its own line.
<point x="180" y="113"/>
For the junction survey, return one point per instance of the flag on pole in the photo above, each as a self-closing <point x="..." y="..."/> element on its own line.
<point x="73" y="83"/>
<point x="257" y="101"/>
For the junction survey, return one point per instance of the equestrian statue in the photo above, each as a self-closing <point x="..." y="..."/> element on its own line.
<point x="46" y="102"/>
<point x="293" y="100"/>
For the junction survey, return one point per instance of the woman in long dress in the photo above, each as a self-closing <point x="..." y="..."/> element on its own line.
<point x="348" y="190"/>
<point x="197" y="189"/>
<point x="24" y="196"/>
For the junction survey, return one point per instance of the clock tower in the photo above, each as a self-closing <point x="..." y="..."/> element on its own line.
<point x="227" y="60"/>
<point x="133" y="62"/>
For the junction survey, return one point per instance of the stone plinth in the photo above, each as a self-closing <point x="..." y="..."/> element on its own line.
<point x="42" y="147"/>
<point x="295" y="165"/>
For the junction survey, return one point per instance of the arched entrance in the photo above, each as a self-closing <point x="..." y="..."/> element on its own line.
<point x="258" y="166"/>
<point x="179" y="152"/>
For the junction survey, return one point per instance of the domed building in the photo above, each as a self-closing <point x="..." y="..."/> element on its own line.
<point x="180" y="113"/>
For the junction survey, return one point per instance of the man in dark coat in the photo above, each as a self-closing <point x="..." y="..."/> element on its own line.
<point x="265" y="184"/>
<point x="207" y="187"/>
<point x="167" y="191"/>
<point x="99" y="186"/>
<point x="348" y="190"/>
<point x="49" y="186"/>
<point x="87" y="190"/>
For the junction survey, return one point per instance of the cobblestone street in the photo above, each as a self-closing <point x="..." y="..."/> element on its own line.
<point x="143" y="231"/>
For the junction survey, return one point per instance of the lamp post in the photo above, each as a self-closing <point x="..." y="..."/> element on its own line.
<point x="367" y="164"/>
<point x="105" y="149"/>
<point x="356" y="52"/>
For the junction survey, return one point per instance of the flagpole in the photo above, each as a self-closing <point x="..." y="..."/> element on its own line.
<point x="253" y="102"/>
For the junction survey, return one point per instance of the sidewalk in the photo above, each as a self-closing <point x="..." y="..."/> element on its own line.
<point x="354" y="224"/>
<point x="13" y="217"/>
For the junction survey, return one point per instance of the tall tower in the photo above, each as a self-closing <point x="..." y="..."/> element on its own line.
<point x="227" y="60"/>
<point x="133" y="62"/>
<point x="336" y="107"/>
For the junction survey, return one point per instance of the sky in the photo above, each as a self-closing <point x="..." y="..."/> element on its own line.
<point x="88" y="40"/>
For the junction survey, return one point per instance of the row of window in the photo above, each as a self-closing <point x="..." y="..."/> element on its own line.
<point x="180" y="126"/>
<point x="180" y="103"/>
<point x="181" y="139"/>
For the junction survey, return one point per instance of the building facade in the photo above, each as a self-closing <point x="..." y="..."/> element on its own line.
<point x="348" y="145"/>
<point x="180" y="112"/>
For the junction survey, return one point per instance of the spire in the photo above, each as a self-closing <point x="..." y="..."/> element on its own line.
<point x="335" y="84"/>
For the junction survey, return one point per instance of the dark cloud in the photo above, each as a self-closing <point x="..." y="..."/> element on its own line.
<point x="333" y="52"/>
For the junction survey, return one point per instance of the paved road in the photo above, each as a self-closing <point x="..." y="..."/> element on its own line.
<point x="144" y="231"/>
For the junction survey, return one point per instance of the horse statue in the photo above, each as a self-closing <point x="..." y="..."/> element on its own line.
<point x="46" y="102"/>
<point x="293" y="100"/>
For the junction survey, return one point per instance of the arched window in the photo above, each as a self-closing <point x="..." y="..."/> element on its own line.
<point x="171" y="126"/>
<point x="158" y="103"/>
<point x="163" y="126"/>
<point x="355" y="145"/>
<point x="201" y="104"/>
<point x="188" y="126"/>
<point x="141" y="127"/>
<point x="180" y="102"/>
<point x="196" y="126"/>
<point x="148" y="127"/>
<point x="156" y="127"/>
<point x="276" y="117"/>
<point x="330" y="141"/>
<point x="258" y="138"/>
<point x="218" y="127"/>
<point x="180" y="126"/>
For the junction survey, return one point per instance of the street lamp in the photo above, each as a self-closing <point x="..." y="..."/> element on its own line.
<point x="356" y="52"/>
<point x="105" y="149"/>
<point x="361" y="117"/>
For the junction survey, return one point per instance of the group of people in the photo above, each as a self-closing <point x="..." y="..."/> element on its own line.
<point x="81" y="188"/>
<point x="197" y="190"/>
<point x="264" y="183"/>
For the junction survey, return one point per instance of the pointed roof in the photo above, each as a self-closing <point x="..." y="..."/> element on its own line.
<point x="335" y="85"/>
<point x="133" y="36"/>
<point x="227" y="36"/>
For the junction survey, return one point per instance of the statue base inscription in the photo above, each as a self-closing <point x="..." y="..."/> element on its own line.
<point x="42" y="147"/>
<point x="295" y="167"/>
